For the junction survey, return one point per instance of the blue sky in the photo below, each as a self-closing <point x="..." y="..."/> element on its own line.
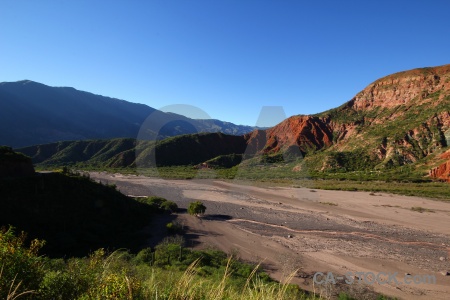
<point x="229" y="58"/>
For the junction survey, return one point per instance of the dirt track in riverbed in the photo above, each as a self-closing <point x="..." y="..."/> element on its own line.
<point x="315" y="230"/>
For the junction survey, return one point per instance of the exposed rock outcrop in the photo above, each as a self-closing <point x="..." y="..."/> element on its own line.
<point x="306" y="132"/>
<point x="402" y="88"/>
<point x="443" y="171"/>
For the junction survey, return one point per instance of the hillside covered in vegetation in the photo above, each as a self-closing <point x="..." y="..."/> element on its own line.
<point x="189" y="149"/>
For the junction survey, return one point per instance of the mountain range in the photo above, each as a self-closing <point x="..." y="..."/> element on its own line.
<point x="399" y="121"/>
<point x="33" y="113"/>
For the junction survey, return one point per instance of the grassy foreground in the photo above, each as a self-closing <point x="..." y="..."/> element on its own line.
<point x="168" y="272"/>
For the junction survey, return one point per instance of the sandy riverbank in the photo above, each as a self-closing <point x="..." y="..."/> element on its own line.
<point x="316" y="230"/>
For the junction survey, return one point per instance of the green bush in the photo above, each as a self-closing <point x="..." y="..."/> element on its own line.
<point x="169" y="206"/>
<point x="152" y="201"/>
<point x="144" y="256"/>
<point x="116" y="285"/>
<point x="173" y="227"/>
<point x="20" y="266"/>
<point x="165" y="254"/>
<point x="196" y="208"/>
<point x="159" y="204"/>
<point x="60" y="286"/>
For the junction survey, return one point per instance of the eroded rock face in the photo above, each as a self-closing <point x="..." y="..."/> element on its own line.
<point x="401" y="88"/>
<point x="443" y="171"/>
<point x="302" y="131"/>
<point x="423" y="140"/>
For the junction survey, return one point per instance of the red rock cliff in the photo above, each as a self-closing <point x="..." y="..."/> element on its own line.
<point x="302" y="131"/>
<point x="402" y="88"/>
<point x="443" y="171"/>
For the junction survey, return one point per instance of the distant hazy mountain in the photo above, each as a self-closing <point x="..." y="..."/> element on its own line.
<point x="33" y="113"/>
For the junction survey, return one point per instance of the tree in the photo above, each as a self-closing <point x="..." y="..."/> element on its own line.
<point x="196" y="208"/>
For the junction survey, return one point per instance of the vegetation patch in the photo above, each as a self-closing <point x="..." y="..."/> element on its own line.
<point x="159" y="204"/>
<point x="421" y="209"/>
<point x="196" y="208"/>
<point x="329" y="203"/>
<point x="224" y="161"/>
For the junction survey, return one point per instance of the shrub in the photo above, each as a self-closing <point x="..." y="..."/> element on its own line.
<point x="196" y="208"/>
<point x="21" y="269"/>
<point x="166" y="253"/>
<point x="115" y="286"/>
<point x="60" y="286"/>
<point x="173" y="227"/>
<point x="159" y="204"/>
<point x="169" y="206"/>
<point x="152" y="201"/>
<point x="144" y="256"/>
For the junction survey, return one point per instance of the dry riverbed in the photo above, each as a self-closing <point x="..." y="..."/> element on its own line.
<point x="316" y="231"/>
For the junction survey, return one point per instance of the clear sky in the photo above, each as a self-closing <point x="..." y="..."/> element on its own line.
<point x="229" y="58"/>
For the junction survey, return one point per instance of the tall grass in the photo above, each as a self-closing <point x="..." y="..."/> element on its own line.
<point x="190" y="285"/>
<point x="14" y="289"/>
<point x="121" y="275"/>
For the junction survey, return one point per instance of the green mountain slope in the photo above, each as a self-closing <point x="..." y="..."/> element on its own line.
<point x="120" y="153"/>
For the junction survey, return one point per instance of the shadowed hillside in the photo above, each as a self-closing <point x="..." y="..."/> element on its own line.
<point x="121" y="153"/>
<point x="72" y="213"/>
<point x="14" y="164"/>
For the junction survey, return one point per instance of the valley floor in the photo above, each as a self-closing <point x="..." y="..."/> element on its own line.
<point x="314" y="230"/>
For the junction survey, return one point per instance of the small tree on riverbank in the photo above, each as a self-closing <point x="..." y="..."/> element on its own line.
<point x="196" y="208"/>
